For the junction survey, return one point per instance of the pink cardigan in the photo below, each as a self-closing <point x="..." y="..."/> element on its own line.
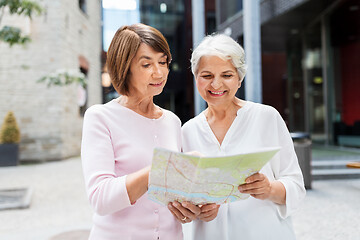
<point x="117" y="141"/>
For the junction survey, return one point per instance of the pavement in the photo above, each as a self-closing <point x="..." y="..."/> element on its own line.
<point x="59" y="209"/>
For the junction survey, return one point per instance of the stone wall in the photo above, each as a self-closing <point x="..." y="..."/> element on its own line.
<point x="49" y="118"/>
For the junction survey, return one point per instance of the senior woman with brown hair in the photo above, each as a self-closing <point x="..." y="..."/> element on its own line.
<point x="119" y="138"/>
<point x="231" y="126"/>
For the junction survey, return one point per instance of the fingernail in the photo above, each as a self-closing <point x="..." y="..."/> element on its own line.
<point x="184" y="204"/>
<point x="247" y="180"/>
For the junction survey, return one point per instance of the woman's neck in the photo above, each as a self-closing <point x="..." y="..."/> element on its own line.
<point x="221" y="117"/>
<point x="220" y="112"/>
<point x="144" y="107"/>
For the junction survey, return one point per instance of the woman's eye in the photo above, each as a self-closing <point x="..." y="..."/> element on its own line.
<point x="206" y="76"/>
<point x="162" y="63"/>
<point x="227" y="76"/>
<point x="146" y="65"/>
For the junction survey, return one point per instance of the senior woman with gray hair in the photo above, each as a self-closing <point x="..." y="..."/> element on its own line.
<point x="230" y="126"/>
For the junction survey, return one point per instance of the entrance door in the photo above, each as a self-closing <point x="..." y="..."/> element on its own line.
<point x="312" y="67"/>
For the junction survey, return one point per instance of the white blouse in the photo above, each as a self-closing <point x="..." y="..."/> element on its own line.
<point x="255" y="126"/>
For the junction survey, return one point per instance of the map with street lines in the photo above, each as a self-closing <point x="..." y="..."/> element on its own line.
<point x="182" y="177"/>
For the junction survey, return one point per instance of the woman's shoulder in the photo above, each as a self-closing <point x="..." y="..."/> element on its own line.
<point x="192" y="123"/>
<point x="94" y="109"/>
<point x="99" y="109"/>
<point x="262" y="109"/>
<point x="170" y="115"/>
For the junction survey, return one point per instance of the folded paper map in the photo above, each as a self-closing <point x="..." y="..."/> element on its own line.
<point x="176" y="176"/>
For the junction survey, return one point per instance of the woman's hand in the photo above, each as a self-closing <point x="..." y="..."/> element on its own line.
<point x="259" y="186"/>
<point x="208" y="212"/>
<point x="187" y="212"/>
<point x="184" y="212"/>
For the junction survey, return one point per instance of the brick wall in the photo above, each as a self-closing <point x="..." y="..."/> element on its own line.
<point x="49" y="118"/>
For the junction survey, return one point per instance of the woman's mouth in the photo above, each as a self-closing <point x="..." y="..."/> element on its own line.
<point x="217" y="93"/>
<point x="157" y="84"/>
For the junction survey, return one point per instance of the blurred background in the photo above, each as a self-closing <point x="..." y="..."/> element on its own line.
<point x="303" y="57"/>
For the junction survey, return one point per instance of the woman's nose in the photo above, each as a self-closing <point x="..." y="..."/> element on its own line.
<point x="216" y="83"/>
<point x="157" y="73"/>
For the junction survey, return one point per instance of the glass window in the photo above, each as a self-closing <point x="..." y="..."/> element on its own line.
<point x="229" y="8"/>
<point x="82" y="5"/>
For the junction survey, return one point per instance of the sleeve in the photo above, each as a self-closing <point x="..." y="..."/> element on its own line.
<point x="288" y="171"/>
<point x="107" y="193"/>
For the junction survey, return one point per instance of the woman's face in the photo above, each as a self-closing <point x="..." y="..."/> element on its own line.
<point x="148" y="72"/>
<point x="217" y="80"/>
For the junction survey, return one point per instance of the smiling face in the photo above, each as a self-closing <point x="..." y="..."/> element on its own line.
<point x="148" y="72"/>
<point x="217" y="80"/>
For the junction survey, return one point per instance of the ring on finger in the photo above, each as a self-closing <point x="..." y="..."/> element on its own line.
<point x="183" y="219"/>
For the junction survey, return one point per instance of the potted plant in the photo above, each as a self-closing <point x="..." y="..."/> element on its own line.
<point x="9" y="141"/>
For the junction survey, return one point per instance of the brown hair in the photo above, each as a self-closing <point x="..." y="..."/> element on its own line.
<point x="123" y="48"/>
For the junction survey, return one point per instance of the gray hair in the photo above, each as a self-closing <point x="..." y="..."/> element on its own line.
<point x="222" y="46"/>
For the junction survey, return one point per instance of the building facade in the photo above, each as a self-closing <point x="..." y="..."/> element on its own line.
<point x="310" y="63"/>
<point x="66" y="36"/>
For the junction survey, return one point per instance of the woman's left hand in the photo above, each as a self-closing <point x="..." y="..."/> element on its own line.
<point x="257" y="185"/>
<point x="184" y="212"/>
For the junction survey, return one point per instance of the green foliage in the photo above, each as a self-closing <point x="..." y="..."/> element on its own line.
<point x="27" y="8"/>
<point x="64" y="77"/>
<point x="22" y="7"/>
<point x="12" y="35"/>
<point x="10" y="132"/>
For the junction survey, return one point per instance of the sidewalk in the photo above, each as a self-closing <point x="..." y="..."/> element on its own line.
<point x="331" y="210"/>
<point x="58" y="205"/>
<point x="59" y="209"/>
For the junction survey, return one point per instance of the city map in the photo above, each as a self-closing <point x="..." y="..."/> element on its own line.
<point x="182" y="177"/>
